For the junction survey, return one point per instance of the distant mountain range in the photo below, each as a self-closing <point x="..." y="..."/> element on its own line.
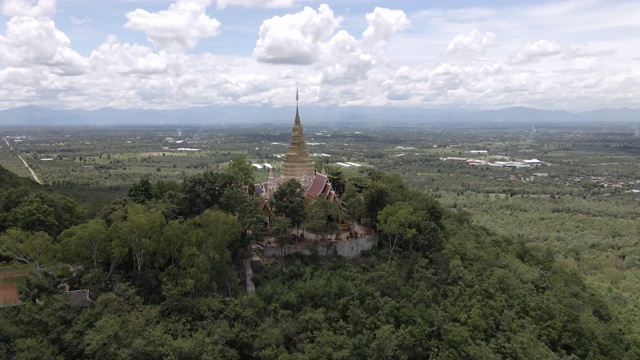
<point x="311" y="115"/>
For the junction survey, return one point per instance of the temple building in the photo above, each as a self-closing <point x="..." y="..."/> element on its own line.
<point x="298" y="165"/>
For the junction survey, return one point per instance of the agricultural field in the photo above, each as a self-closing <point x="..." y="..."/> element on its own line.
<point x="571" y="194"/>
<point x="578" y="200"/>
<point x="574" y="161"/>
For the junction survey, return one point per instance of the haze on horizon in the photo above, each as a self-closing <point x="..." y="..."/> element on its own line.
<point x="160" y="54"/>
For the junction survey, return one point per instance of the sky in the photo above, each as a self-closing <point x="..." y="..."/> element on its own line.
<point x="163" y="54"/>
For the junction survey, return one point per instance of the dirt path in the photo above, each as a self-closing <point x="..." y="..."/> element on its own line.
<point x="9" y="145"/>
<point x="11" y="274"/>
<point x="33" y="174"/>
<point x="9" y="290"/>
<point x="9" y="294"/>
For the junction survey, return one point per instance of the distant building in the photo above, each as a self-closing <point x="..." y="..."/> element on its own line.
<point x="454" y="158"/>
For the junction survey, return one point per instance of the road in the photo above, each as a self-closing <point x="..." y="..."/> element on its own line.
<point x="9" y="145"/>
<point x="33" y="174"/>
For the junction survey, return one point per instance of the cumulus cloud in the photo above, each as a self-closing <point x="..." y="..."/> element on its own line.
<point x="295" y="38"/>
<point x="222" y="4"/>
<point x="179" y="27"/>
<point x="343" y="60"/>
<point x="571" y="69"/>
<point x="42" y="8"/>
<point x="473" y="43"/>
<point x="536" y="51"/>
<point x="382" y="23"/>
<point x="447" y="77"/>
<point x="235" y="87"/>
<point x="35" y="41"/>
<point x="307" y="38"/>
<point x="113" y="57"/>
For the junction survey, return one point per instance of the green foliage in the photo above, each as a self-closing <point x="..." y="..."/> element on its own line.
<point x="281" y="230"/>
<point x="35" y="249"/>
<point x="36" y="210"/>
<point x="397" y="222"/>
<point x="141" y="192"/>
<point x="241" y="169"/>
<point x="169" y="289"/>
<point x="321" y="216"/>
<point x="137" y="231"/>
<point x="288" y="201"/>
<point x="381" y="190"/>
<point x="253" y="222"/>
<point x="204" y="191"/>
<point x="9" y="180"/>
<point x="88" y="244"/>
<point x="338" y="179"/>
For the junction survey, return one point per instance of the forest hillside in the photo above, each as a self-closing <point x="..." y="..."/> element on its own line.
<point x="162" y="269"/>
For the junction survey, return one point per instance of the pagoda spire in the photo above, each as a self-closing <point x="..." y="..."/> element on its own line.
<point x="297" y="163"/>
<point x="297" y="113"/>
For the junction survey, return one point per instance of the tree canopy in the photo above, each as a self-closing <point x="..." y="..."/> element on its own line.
<point x="437" y="287"/>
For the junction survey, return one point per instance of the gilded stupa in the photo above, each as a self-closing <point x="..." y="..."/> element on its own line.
<point x="297" y="164"/>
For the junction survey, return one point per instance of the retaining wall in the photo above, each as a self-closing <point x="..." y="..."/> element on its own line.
<point x="346" y="248"/>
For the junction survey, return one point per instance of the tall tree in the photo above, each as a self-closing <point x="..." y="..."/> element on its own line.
<point x="204" y="191"/>
<point x="337" y="178"/>
<point x="281" y="231"/>
<point x="203" y="261"/>
<point x="88" y="244"/>
<point x="320" y="218"/>
<point x="141" y="191"/>
<point x="253" y="223"/>
<point x="36" y="249"/>
<point x="138" y="230"/>
<point x="397" y="224"/>
<point x="35" y="210"/>
<point x="288" y="201"/>
<point x="241" y="169"/>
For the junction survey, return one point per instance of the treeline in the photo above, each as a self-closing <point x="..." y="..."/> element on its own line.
<point x="161" y="266"/>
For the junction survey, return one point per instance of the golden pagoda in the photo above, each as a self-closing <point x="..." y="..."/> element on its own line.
<point x="297" y="164"/>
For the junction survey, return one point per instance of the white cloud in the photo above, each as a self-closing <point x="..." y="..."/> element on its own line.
<point x="343" y="60"/>
<point x="589" y="64"/>
<point x="31" y="41"/>
<point x="399" y="94"/>
<point x="536" y="51"/>
<point x="113" y="57"/>
<point x="474" y="43"/>
<point x="382" y="23"/>
<point x="180" y="27"/>
<point x="222" y="4"/>
<point x="78" y="21"/>
<point x="295" y="38"/>
<point x="237" y="87"/>
<point x="42" y="8"/>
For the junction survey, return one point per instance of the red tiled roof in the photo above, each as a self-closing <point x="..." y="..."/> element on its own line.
<point x="317" y="185"/>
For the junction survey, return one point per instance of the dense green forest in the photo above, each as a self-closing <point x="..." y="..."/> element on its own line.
<point x="162" y="266"/>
